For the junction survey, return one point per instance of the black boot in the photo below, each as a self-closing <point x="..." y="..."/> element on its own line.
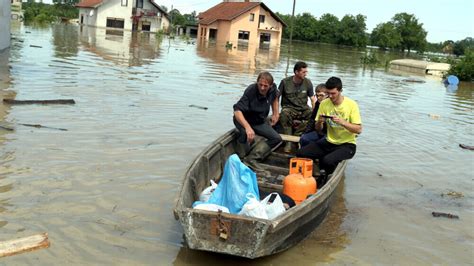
<point x="322" y="179"/>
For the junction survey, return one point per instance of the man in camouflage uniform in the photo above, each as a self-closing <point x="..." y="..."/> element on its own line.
<point x="295" y="91"/>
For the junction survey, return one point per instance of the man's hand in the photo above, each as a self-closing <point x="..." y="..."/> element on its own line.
<point x="275" y="118"/>
<point x="250" y="134"/>
<point x="338" y="120"/>
<point x="354" y="128"/>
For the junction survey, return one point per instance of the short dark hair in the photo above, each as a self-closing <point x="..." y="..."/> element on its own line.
<point x="266" y="76"/>
<point x="299" y="65"/>
<point x="334" y="82"/>
<point x="320" y="87"/>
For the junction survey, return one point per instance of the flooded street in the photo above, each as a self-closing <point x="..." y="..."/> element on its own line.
<point x="104" y="187"/>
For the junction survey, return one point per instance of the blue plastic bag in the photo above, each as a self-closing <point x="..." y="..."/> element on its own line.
<point x="236" y="182"/>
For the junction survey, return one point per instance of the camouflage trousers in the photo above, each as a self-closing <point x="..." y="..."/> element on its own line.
<point x="294" y="122"/>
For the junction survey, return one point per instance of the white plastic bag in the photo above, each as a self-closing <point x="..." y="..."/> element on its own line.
<point x="211" y="207"/>
<point x="207" y="192"/>
<point x="253" y="208"/>
<point x="275" y="208"/>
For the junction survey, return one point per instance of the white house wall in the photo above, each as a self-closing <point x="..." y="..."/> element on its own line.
<point x="5" y="16"/>
<point x="89" y="18"/>
<point x="156" y="23"/>
<point x="114" y="9"/>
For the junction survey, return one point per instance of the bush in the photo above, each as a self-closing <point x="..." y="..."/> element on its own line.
<point x="369" y="59"/>
<point x="464" y="68"/>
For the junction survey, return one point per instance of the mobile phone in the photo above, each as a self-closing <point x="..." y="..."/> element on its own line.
<point x="272" y="198"/>
<point x="326" y="116"/>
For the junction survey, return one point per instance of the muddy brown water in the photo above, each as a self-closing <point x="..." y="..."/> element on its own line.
<point x="104" y="189"/>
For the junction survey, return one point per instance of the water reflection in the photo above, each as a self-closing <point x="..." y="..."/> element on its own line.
<point x="119" y="47"/>
<point x="245" y="59"/>
<point x="65" y="40"/>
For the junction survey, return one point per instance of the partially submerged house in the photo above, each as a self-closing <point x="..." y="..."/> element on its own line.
<point x="137" y="15"/>
<point x="17" y="13"/>
<point x="241" y="23"/>
<point x="4" y="24"/>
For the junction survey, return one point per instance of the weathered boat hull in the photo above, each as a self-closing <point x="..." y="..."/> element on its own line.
<point x="245" y="236"/>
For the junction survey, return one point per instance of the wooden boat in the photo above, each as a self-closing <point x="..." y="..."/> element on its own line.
<point x="240" y="235"/>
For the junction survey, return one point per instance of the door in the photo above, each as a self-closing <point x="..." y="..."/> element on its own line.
<point x="265" y="40"/>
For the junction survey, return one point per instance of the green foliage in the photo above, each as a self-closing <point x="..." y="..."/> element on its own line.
<point x="287" y="20"/>
<point x="385" y="35"/>
<point x="352" y="31"/>
<point x="176" y="18"/>
<point x="464" y="68"/>
<point x="369" y="59"/>
<point x="70" y="3"/>
<point x="191" y="19"/>
<point x="159" y="34"/>
<point x="463" y="47"/>
<point x="328" y="26"/>
<point x="305" y="27"/>
<point x="45" y="13"/>
<point x="328" y="29"/>
<point x="413" y="36"/>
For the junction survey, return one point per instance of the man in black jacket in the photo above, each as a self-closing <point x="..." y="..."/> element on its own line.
<point x="250" y="118"/>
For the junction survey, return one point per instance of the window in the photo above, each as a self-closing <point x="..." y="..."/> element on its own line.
<point x="146" y="26"/>
<point x="115" y="23"/>
<point x="261" y="19"/>
<point x="124" y="2"/>
<point x="244" y="35"/>
<point x="252" y="17"/>
<point x="265" y="37"/>
<point x="139" y="3"/>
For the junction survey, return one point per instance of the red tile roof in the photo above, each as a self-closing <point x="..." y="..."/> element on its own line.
<point x="89" y="3"/>
<point x="230" y="11"/>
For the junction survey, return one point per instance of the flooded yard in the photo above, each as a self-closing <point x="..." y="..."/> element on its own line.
<point x="104" y="188"/>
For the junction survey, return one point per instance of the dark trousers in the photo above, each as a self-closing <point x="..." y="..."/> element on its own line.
<point x="329" y="154"/>
<point x="264" y="130"/>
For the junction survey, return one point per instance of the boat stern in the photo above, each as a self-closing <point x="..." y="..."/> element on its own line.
<point x="224" y="233"/>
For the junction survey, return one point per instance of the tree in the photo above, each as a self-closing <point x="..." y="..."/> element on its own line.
<point x="352" y="31"/>
<point x="412" y="33"/>
<point x="305" y="27"/>
<point x="463" y="46"/>
<point x="328" y="26"/>
<point x="287" y="20"/>
<point x="164" y="8"/>
<point x="71" y="3"/>
<point x="464" y="69"/>
<point x="385" y="35"/>
<point x="176" y="17"/>
<point x="191" y="18"/>
<point x="447" y="47"/>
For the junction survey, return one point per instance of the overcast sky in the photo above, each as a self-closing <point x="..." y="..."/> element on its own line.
<point x="442" y="19"/>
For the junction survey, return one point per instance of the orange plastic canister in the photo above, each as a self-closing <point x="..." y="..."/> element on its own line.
<point x="300" y="182"/>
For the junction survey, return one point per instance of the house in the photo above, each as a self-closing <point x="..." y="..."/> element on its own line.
<point x="4" y="24"/>
<point x="241" y="23"/>
<point x="136" y="15"/>
<point x="17" y="14"/>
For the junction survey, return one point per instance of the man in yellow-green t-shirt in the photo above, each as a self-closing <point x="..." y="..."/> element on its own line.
<point x="342" y="117"/>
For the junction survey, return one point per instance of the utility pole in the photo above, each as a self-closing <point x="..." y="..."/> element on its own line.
<point x="171" y="15"/>
<point x="292" y="24"/>
<point x="291" y="38"/>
